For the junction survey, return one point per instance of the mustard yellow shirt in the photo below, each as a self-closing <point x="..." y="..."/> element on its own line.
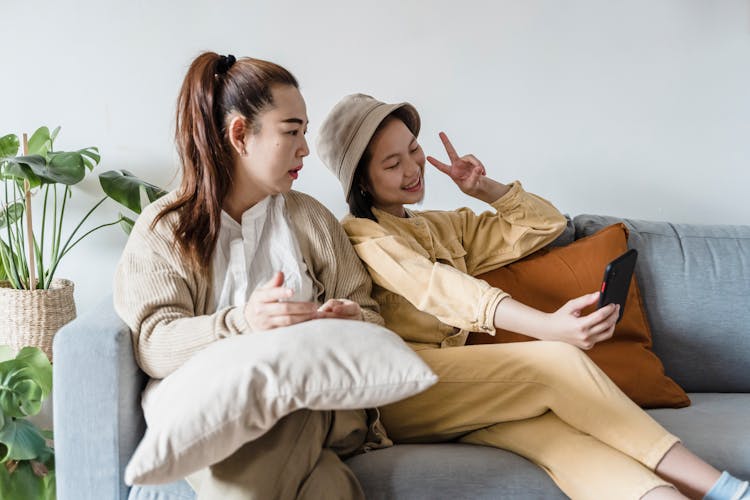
<point x="423" y="266"/>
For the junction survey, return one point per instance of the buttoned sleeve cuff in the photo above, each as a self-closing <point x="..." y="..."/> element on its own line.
<point x="486" y="314"/>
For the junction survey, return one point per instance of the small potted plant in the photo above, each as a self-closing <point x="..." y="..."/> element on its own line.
<point x="32" y="242"/>
<point x="27" y="462"/>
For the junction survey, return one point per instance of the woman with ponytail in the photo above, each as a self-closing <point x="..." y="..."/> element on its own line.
<point x="234" y="250"/>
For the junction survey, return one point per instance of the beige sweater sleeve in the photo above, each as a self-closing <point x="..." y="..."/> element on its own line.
<point x="163" y="302"/>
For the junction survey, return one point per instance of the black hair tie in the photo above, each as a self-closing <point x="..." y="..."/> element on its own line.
<point x="224" y="63"/>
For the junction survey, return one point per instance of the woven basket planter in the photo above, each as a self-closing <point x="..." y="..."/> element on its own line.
<point x="32" y="317"/>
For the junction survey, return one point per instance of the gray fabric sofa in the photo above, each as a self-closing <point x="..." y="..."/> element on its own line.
<point x="695" y="282"/>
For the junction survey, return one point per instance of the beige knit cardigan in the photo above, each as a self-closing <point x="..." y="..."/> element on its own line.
<point x="168" y="305"/>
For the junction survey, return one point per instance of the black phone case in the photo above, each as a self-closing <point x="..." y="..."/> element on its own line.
<point x="616" y="282"/>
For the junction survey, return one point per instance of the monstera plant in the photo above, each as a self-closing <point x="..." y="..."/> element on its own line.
<point x="36" y="186"/>
<point x="48" y="176"/>
<point x="27" y="462"/>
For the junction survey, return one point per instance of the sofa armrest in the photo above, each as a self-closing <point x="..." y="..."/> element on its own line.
<point x="98" y="420"/>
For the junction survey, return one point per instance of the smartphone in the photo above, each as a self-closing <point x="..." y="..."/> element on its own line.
<point x="616" y="282"/>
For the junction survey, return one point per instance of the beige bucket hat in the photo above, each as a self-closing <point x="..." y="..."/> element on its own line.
<point x="348" y="128"/>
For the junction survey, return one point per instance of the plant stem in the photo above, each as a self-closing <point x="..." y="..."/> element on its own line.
<point x="18" y="258"/>
<point x="20" y="244"/>
<point x="56" y="256"/>
<point x="53" y="251"/>
<point x="6" y="254"/>
<point x="21" y="241"/>
<point x="40" y="268"/>
<point x="12" y="270"/>
<point x="68" y="249"/>
<point x="30" y="238"/>
<point x="41" y="244"/>
<point x="65" y="248"/>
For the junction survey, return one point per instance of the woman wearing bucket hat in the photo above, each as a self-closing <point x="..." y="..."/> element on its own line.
<point x="202" y="263"/>
<point x="546" y="401"/>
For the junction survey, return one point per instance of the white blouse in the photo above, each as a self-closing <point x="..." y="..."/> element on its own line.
<point x="248" y="255"/>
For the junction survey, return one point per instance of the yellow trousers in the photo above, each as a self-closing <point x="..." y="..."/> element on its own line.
<point x="297" y="459"/>
<point x="546" y="401"/>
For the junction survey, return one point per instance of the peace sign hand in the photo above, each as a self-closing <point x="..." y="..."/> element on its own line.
<point x="466" y="171"/>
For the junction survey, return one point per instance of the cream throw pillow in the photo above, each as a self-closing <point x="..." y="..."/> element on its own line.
<point x="237" y="388"/>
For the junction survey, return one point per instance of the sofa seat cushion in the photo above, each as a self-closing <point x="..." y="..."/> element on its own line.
<point x="423" y="471"/>
<point x="715" y="427"/>
<point x="450" y="471"/>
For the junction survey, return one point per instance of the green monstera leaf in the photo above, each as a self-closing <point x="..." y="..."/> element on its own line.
<point x="21" y="440"/>
<point x="23" y="167"/>
<point x="90" y="157"/>
<point x="27" y="462"/>
<point x="40" y="141"/>
<point x="9" y="145"/>
<point x="128" y="190"/>
<point x="64" y="168"/>
<point x="10" y="214"/>
<point x="25" y="382"/>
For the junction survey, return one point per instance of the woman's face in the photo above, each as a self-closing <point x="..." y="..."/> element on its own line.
<point x="396" y="168"/>
<point x="276" y="145"/>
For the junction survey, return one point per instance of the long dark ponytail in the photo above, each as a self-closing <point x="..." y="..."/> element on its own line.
<point x="214" y="87"/>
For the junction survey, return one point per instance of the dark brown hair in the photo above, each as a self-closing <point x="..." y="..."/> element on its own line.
<point x="360" y="199"/>
<point x="210" y="93"/>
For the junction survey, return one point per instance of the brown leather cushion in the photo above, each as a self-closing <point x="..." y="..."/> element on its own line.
<point x="549" y="278"/>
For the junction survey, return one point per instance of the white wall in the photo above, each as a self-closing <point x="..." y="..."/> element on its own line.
<point x="635" y="108"/>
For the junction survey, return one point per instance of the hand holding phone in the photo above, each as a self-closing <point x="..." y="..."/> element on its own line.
<point x="616" y="281"/>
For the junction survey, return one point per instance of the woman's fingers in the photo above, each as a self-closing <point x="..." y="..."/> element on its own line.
<point x="452" y="155"/>
<point x="605" y="326"/>
<point x="461" y="169"/>
<point x="272" y="290"/>
<point x="268" y="307"/>
<point x="276" y="314"/>
<point x="602" y="315"/>
<point x="599" y="325"/>
<point x="347" y="308"/>
<point x="340" y="308"/>
<point x="446" y="169"/>
<point x="276" y="281"/>
<point x="475" y="162"/>
<point x="574" y="306"/>
<point x="287" y="308"/>
<point x="288" y="320"/>
<point x="328" y="305"/>
<point x="275" y="294"/>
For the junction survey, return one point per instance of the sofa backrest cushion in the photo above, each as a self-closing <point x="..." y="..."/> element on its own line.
<point x="695" y="284"/>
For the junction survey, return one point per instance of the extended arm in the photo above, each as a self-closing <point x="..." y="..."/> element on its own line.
<point x="521" y="223"/>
